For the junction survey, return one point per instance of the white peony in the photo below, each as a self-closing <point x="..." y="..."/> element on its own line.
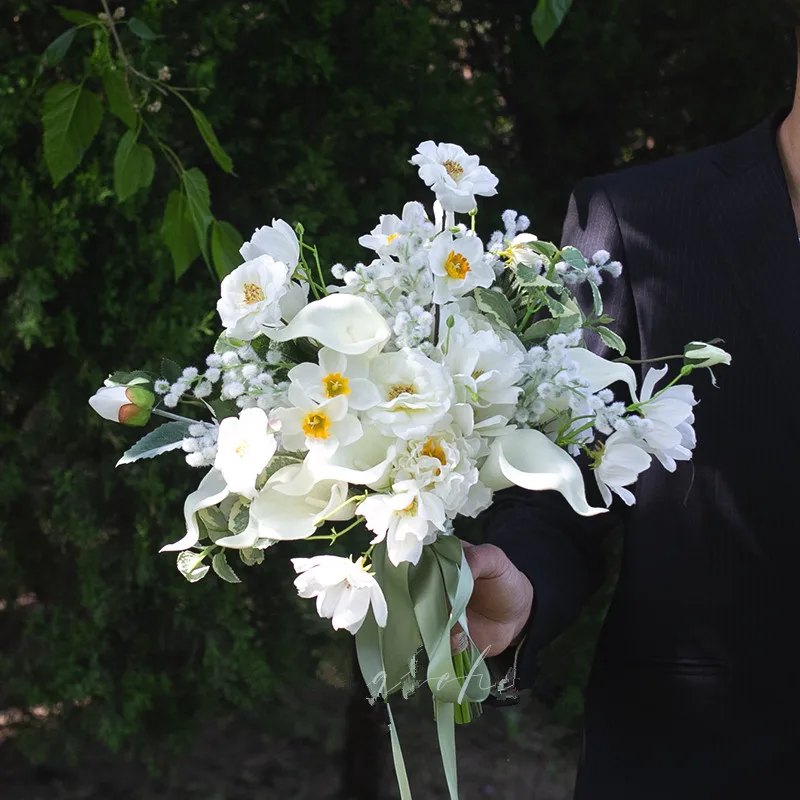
<point x="344" y="590"/>
<point x="245" y="447"/>
<point x="455" y="176"/>
<point x="251" y="297"/>
<point x="458" y="266"/>
<point x="416" y="393"/>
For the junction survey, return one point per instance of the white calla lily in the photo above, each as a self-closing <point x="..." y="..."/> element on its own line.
<point x="346" y="323"/>
<point x="527" y="458"/>
<point x="212" y="490"/>
<point x="600" y="372"/>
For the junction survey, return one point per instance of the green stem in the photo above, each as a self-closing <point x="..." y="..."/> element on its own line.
<point x="686" y="370"/>
<point x="626" y="360"/>
<point x="169" y="415"/>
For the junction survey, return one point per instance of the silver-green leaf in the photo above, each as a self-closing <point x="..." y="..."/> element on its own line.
<point x="574" y="258"/>
<point x="191" y="566"/>
<point x="611" y="339"/>
<point x="223" y="569"/>
<point x="497" y="306"/>
<point x="161" y="440"/>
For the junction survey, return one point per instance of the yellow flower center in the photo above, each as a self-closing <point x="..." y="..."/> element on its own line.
<point x="392" y="237"/>
<point x="401" y="388"/>
<point x="335" y="384"/>
<point x="477" y="374"/>
<point x="434" y="449"/>
<point x="410" y="509"/>
<point x="454" y="169"/>
<point x="456" y="265"/>
<point x="252" y="294"/>
<point x="242" y="449"/>
<point x="316" y="425"/>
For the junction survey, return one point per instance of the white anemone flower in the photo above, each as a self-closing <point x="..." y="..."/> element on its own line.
<point x="458" y="266"/>
<point x="390" y="237"/>
<point x="416" y="393"/>
<point x="454" y="176"/>
<point x="278" y="241"/>
<point x="621" y="463"/>
<point x="251" y="297"/>
<point x="318" y="427"/>
<point x="213" y="489"/>
<point x="520" y="252"/>
<point x="245" y="447"/>
<point x="407" y="519"/>
<point x="337" y="375"/>
<point x="344" y="590"/>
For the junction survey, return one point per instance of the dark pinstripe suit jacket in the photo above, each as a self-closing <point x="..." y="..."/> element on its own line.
<point x="694" y="692"/>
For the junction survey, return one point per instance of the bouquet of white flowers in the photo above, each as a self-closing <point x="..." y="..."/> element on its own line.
<point x="385" y="406"/>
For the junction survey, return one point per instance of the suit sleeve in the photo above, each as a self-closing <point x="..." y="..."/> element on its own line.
<point x="560" y="552"/>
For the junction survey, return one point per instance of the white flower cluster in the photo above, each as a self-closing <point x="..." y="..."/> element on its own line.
<point x="200" y="445"/>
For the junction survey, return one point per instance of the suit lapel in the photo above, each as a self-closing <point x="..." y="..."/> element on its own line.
<point x="752" y="222"/>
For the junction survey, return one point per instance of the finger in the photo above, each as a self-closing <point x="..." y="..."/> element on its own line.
<point x="458" y="639"/>
<point x="487" y="561"/>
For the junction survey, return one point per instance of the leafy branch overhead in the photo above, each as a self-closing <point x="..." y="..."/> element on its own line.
<point x="73" y="111"/>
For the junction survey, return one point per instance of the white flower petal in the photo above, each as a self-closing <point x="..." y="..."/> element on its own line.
<point x="212" y="490"/>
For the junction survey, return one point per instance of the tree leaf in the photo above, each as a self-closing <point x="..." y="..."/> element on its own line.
<point x="547" y="18"/>
<point x="141" y="29"/>
<point x="78" y="17"/>
<point x="71" y="117"/>
<point x="225" y="244"/>
<point x="191" y="567"/>
<point x="210" y="138"/>
<point x="57" y="49"/>
<point x="198" y="204"/>
<point x="223" y="569"/>
<point x="119" y="99"/>
<point x="178" y="233"/>
<point x="134" y="166"/>
<point x="161" y="440"/>
<point x="611" y="339"/>
<point x="496" y="305"/>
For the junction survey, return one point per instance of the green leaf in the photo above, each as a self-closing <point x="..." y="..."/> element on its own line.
<point x="210" y="138"/>
<point x="57" y="49"/>
<point x="223" y="569"/>
<point x="119" y="98"/>
<point x="547" y="249"/>
<point x="251" y="556"/>
<point x="547" y="18"/>
<point x="597" y="300"/>
<point x="134" y="378"/>
<point x="178" y="233"/>
<point x="71" y="117"/>
<point x="141" y="29"/>
<point x="170" y="370"/>
<point x="611" y="339"/>
<point x="574" y="258"/>
<point x="214" y="521"/>
<point x="191" y="567"/>
<point x="224" y="408"/>
<point x="530" y="278"/>
<point x="239" y="516"/>
<point x="78" y="17"/>
<point x="198" y="205"/>
<point x="540" y="330"/>
<point x="134" y="166"/>
<point x="163" y="439"/>
<point x="225" y="244"/>
<point x="496" y="305"/>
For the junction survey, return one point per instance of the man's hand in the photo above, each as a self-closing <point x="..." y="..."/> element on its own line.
<point x="501" y="600"/>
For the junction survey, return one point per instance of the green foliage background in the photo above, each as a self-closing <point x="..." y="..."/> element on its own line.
<point x="320" y="103"/>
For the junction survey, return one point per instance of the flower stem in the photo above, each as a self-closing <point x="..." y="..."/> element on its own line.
<point x="169" y="415"/>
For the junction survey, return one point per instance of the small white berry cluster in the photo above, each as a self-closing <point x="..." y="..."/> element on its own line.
<point x="200" y="445"/>
<point x="599" y="263"/>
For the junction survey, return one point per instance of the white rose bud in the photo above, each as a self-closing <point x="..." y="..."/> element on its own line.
<point x="701" y="354"/>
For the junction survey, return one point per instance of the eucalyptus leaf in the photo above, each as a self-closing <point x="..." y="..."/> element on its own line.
<point x="547" y="18"/>
<point x="57" y="49"/>
<point x="611" y="339"/>
<point x="71" y="118"/>
<point x="161" y="440"/>
<point x="141" y="29"/>
<point x="225" y="244"/>
<point x="119" y="98"/>
<point x="212" y="143"/>
<point x="223" y="569"/>
<point x="178" y="233"/>
<point x="497" y="306"/>
<point x="191" y="566"/>
<point x="134" y="166"/>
